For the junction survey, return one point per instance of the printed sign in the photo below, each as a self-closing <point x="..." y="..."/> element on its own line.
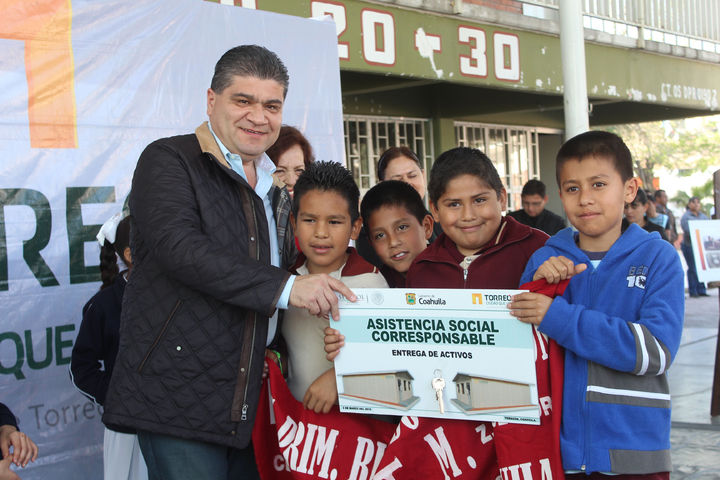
<point x="705" y="238"/>
<point x="455" y="354"/>
<point x="85" y="86"/>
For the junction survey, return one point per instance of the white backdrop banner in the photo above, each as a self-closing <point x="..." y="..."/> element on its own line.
<point x="84" y="87"/>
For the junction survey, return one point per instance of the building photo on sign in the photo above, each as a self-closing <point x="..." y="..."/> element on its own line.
<point x="455" y="354"/>
<point x="705" y="238"/>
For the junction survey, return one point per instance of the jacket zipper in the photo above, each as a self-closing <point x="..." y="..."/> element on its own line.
<point x="160" y="335"/>
<point x="585" y="409"/>
<point x="245" y="406"/>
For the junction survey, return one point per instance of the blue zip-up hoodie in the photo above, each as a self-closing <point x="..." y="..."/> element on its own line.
<point x="620" y="324"/>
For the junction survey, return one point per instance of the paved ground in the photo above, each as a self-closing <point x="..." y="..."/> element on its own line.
<point x="695" y="434"/>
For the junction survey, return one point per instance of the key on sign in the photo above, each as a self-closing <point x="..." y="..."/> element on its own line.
<point x="438" y="384"/>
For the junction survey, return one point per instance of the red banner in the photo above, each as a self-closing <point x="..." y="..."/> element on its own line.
<point x="294" y="443"/>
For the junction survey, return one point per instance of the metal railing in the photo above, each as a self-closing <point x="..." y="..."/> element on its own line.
<point x="685" y="23"/>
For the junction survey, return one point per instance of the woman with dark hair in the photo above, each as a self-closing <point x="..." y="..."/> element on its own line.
<point x="637" y="212"/>
<point x="97" y="342"/>
<point x="291" y="154"/>
<point x="401" y="163"/>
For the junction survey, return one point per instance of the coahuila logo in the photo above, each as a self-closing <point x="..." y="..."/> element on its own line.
<point x="431" y="300"/>
<point x="410" y="298"/>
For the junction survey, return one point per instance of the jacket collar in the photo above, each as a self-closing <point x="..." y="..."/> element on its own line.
<point x="443" y="249"/>
<point x="209" y="145"/>
<point x="355" y="264"/>
<point x="632" y="237"/>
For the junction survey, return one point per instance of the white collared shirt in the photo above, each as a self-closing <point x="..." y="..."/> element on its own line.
<point x="264" y="168"/>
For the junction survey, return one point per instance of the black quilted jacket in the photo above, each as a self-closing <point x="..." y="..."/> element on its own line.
<point x="194" y="315"/>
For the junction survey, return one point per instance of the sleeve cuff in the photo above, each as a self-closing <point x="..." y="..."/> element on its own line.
<point x="285" y="295"/>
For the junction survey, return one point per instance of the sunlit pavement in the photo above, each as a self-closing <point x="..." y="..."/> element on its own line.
<point x="695" y="434"/>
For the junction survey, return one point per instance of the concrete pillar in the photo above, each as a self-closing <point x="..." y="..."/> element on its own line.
<point x="572" y="45"/>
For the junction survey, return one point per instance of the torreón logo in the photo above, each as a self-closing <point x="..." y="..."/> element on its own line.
<point x="493" y="299"/>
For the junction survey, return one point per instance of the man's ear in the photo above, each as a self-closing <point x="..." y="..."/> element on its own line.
<point x="356" y="227"/>
<point x="427" y="226"/>
<point x="127" y="256"/>
<point x="210" y="100"/>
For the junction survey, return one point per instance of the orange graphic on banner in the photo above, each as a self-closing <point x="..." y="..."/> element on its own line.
<point x="45" y="27"/>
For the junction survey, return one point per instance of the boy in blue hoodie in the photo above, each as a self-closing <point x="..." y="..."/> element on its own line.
<point x="620" y="318"/>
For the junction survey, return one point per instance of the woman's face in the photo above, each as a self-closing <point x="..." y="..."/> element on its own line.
<point x="289" y="167"/>
<point x="406" y="170"/>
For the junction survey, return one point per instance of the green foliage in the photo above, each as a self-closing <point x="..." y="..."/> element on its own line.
<point x="703" y="192"/>
<point x="671" y="144"/>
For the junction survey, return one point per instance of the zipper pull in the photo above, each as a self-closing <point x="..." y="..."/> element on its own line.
<point x="243" y="417"/>
<point x="465" y="272"/>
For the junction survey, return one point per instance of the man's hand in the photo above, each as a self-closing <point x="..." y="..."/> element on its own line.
<point x="334" y="341"/>
<point x="556" y="269"/>
<point x="322" y="394"/>
<point x="316" y="294"/>
<point x="24" y="449"/>
<point x="5" y="472"/>
<point x="530" y="307"/>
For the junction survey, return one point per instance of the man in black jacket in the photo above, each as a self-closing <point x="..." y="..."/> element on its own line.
<point x="211" y="242"/>
<point x="534" y="213"/>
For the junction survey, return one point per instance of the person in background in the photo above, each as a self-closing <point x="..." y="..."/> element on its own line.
<point x="533" y="213"/>
<point x="96" y="346"/>
<point x="291" y="154"/>
<point x="692" y="212"/>
<point x="24" y="450"/>
<point x="636" y="211"/>
<point x="661" y="207"/>
<point x="397" y="163"/>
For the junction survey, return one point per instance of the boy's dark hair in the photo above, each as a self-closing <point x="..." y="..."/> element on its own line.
<point x="392" y="193"/>
<point x="391" y="154"/>
<point x="596" y="143"/>
<point x="328" y="176"/>
<point x="641" y="197"/>
<point x="108" y="260"/>
<point x="288" y="138"/>
<point x="658" y="194"/>
<point x="249" y="61"/>
<point x="533" y="187"/>
<point x="462" y="161"/>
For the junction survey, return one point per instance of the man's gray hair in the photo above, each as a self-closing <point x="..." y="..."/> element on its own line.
<point x="249" y="61"/>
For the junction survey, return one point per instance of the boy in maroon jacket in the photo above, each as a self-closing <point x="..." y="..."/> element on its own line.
<point x="479" y="247"/>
